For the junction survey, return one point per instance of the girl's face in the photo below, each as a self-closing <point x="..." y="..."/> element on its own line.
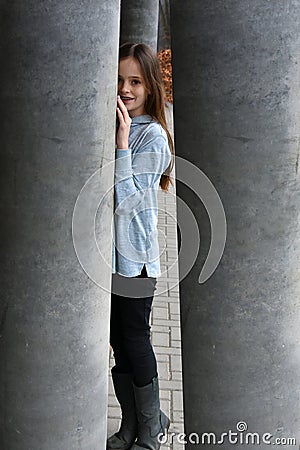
<point x="131" y="86"/>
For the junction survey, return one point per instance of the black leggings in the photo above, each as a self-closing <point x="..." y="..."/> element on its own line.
<point x="130" y="336"/>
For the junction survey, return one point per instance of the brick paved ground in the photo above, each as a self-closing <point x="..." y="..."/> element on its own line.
<point x="165" y="325"/>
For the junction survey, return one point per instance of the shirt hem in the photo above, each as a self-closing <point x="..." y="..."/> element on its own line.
<point x="135" y="275"/>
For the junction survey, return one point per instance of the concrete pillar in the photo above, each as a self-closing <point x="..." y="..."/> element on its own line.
<point x="236" y="103"/>
<point x="139" y="21"/>
<point x="164" y="36"/>
<point x="58" y="116"/>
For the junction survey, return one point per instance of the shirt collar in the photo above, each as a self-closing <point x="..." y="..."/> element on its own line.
<point x="141" y="119"/>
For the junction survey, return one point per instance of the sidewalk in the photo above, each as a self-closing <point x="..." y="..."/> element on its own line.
<point x="165" y="326"/>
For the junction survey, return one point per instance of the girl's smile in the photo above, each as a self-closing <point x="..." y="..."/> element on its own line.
<point x="131" y="86"/>
<point x="126" y="100"/>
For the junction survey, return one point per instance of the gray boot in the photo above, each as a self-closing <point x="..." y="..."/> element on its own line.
<point x="152" y="422"/>
<point x="125" y="437"/>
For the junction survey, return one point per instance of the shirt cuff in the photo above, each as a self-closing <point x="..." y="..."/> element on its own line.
<point x="123" y="165"/>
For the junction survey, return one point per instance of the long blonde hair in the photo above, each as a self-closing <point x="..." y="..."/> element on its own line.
<point x="155" y="103"/>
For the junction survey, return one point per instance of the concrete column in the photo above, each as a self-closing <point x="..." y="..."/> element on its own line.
<point x="139" y="21"/>
<point x="164" y="36"/>
<point x="58" y="98"/>
<point x="236" y="103"/>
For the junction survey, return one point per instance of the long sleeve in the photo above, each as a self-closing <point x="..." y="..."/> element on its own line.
<point x="137" y="173"/>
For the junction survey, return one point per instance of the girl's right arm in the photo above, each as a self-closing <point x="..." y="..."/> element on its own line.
<point x="138" y="175"/>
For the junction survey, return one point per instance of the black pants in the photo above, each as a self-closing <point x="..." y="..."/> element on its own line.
<point x="130" y="335"/>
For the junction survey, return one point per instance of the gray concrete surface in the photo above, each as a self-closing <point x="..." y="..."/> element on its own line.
<point x="139" y="22"/>
<point x="164" y="35"/>
<point x="236" y="104"/>
<point x="58" y="99"/>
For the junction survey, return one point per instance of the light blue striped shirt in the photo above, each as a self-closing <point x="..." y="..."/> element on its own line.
<point x="137" y="174"/>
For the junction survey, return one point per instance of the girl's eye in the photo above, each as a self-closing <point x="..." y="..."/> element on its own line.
<point x="134" y="82"/>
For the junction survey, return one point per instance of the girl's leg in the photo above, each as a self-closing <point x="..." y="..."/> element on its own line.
<point x="122" y="363"/>
<point x="135" y="315"/>
<point x="152" y="421"/>
<point x="124" y="438"/>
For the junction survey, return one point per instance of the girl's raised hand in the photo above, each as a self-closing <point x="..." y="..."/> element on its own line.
<point x="124" y="125"/>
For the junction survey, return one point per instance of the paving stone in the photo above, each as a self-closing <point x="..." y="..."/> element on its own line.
<point x="178" y="416"/>
<point x="163" y="358"/>
<point x="169" y="322"/>
<point x="160" y="313"/>
<point x="115" y="412"/>
<point x="177" y="401"/>
<point x="171" y="299"/>
<point x="171" y="259"/>
<point x="160" y="328"/>
<point x="173" y="287"/>
<point x="172" y="272"/>
<point x="111" y="390"/>
<point x="112" y="401"/>
<point x="164" y="371"/>
<point x="111" y="362"/>
<point x="165" y="394"/>
<point x="176" y="375"/>
<point x="165" y="447"/>
<point x="165" y="405"/>
<point x="171" y="253"/>
<point x="176" y="434"/>
<point x="171" y="230"/>
<point x="162" y="280"/>
<point x="175" y="317"/>
<point x="176" y="363"/>
<point x="162" y="294"/>
<point x="175" y="343"/>
<point x="168" y="350"/>
<point x="161" y="339"/>
<point x="176" y="333"/>
<point x="163" y="301"/>
<point x="113" y="425"/>
<point x="173" y="279"/>
<point x="178" y="445"/>
<point x="162" y="297"/>
<point x="173" y="385"/>
<point x="174" y="308"/>
<point x="162" y="285"/>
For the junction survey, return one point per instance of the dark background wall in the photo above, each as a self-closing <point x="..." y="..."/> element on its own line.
<point x="236" y="103"/>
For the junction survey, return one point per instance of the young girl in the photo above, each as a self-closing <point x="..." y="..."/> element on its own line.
<point x="144" y="160"/>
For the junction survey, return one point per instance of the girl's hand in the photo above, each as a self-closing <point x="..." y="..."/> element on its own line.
<point x="124" y="125"/>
